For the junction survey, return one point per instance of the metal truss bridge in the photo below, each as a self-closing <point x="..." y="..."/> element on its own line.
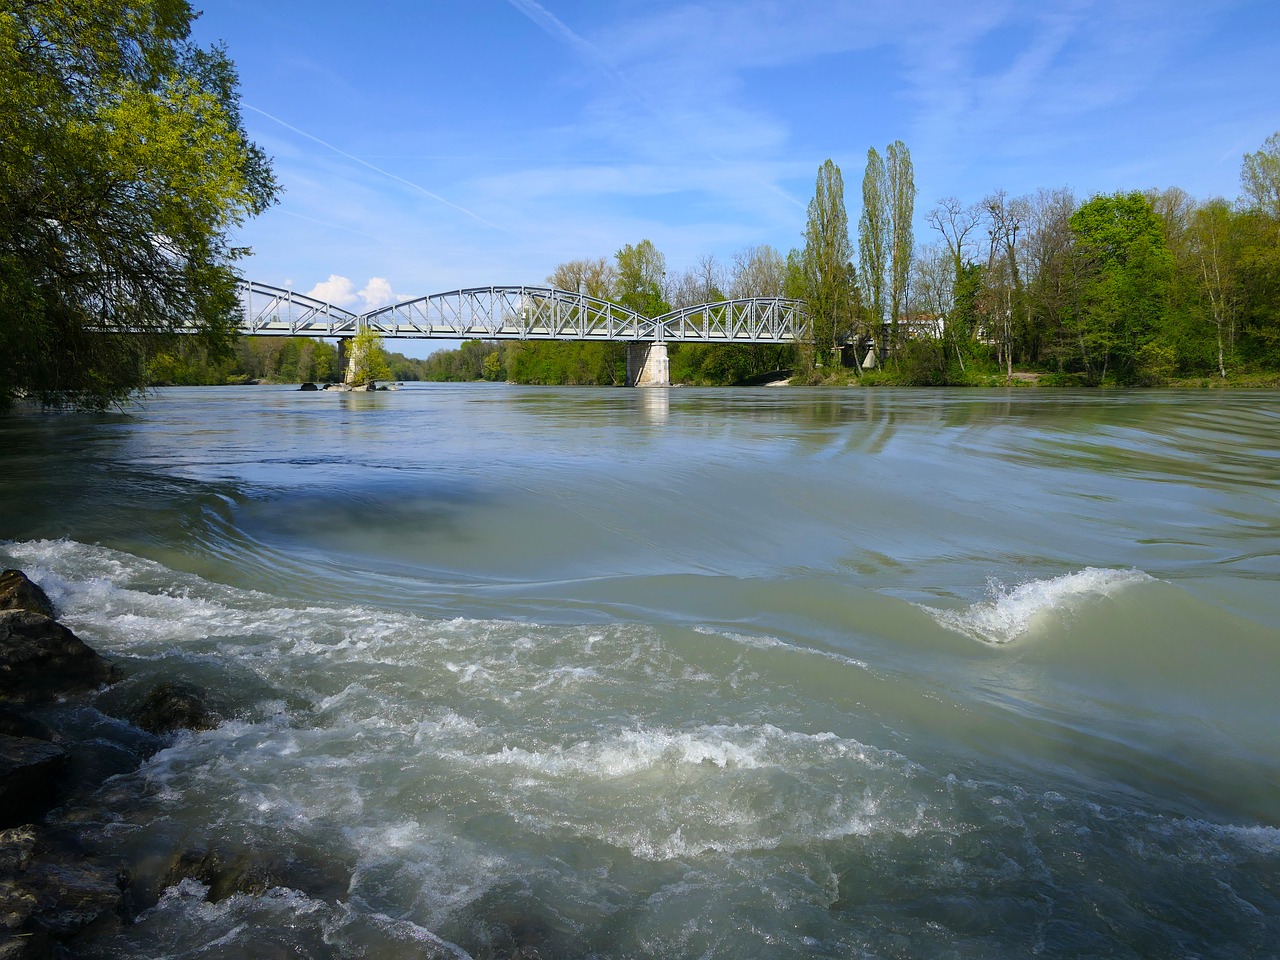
<point x="521" y="313"/>
<point x="530" y="313"/>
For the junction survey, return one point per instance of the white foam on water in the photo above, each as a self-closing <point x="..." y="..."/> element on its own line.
<point x="765" y="642"/>
<point x="636" y="751"/>
<point x="1019" y="611"/>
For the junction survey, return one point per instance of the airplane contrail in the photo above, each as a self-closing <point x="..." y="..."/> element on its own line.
<point x="386" y="173"/>
<point x="559" y="30"/>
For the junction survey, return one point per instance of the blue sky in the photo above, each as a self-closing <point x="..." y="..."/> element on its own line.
<point x="426" y="145"/>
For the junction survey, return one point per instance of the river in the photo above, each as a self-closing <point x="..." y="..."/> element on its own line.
<point x="669" y="673"/>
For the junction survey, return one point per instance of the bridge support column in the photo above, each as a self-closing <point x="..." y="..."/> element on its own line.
<point x="344" y="359"/>
<point x="647" y="365"/>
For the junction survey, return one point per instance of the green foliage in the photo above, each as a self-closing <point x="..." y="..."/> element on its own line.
<point x="718" y="364"/>
<point x="827" y="264"/>
<point x="125" y="166"/>
<point x="369" y="362"/>
<point x="1125" y="268"/>
<point x="641" y="271"/>
<point x="1260" y="177"/>
<point x="874" y="237"/>
<point x="567" y="362"/>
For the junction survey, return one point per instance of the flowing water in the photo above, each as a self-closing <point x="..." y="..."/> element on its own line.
<point x="531" y="672"/>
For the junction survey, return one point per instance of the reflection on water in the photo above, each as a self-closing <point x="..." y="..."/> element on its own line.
<point x="679" y="672"/>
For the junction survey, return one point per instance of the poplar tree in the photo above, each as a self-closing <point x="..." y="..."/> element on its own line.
<point x="826" y="257"/>
<point x="124" y="167"/>
<point x="873" y="240"/>
<point x="900" y="176"/>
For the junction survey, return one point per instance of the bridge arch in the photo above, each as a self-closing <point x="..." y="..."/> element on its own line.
<point x="511" y="313"/>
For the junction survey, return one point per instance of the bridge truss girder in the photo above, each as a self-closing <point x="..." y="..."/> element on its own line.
<point x="510" y="313"/>
<point x="276" y="312"/>
<point x="522" y="313"/>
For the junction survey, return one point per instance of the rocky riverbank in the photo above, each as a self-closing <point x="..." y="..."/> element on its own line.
<point x="53" y="889"/>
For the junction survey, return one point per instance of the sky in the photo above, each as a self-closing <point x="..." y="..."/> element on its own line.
<point x="427" y="145"/>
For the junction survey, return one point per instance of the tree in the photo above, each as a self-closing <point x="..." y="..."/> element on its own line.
<point x="595" y="278"/>
<point x="368" y="359"/>
<point x="826" y="259"/>
<point x="955" y="222"/>
<point x="1125" y="267"/>
<point x="1260" y="177"/>
<point x="125" y="166"/>
<point x="900" y="176"/>
<point x="1210" y="237"/>
<point x="874" y="240"/>
<point x="641" y="274"/>
<point x="1004" y="293"/>
<point x="1050" y="286"/>
<point x="758" y="272"/>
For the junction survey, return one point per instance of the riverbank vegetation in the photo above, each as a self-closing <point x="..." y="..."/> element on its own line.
<point x="125" y="167"/>
<point x="183" y="361"/>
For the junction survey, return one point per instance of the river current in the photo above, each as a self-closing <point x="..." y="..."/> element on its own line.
<point x="539" y="672"/>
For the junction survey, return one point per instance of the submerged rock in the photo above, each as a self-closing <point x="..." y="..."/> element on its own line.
<point x="226" y="871"/>
<point x="42" y="660"/>
<point x="174" y="706"/>
<point x="50" y="892"/>
<point x="17" y="592"/>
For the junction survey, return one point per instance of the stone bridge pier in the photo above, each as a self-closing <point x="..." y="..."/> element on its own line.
<point x="647" y="364"/>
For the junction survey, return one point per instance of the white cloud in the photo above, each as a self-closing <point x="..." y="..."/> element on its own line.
<point x="341" y="292"/>
<point x="377" y="293"/>
<point x="336" y="290"/>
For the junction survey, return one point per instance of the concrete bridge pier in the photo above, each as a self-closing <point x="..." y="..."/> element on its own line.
<point x="647" y="364"/>
<point x="344" y="360"/>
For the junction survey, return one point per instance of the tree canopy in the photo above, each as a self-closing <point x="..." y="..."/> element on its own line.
<point x="125" y="165"/>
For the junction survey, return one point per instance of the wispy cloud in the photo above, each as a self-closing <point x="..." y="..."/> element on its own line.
<point x="386" y="173"/>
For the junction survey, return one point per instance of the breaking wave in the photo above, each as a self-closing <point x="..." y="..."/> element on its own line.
<point x="1015" y="612"/>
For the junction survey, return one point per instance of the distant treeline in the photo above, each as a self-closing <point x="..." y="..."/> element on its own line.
<point x="604" y="364"/>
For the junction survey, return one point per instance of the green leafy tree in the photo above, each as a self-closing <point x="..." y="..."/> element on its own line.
<point x="1260" y="177"/>
<point x="826" y="260"/>
<point x="874" y="239"/>
<point x="641" y="273"/>
<point x="901" y="179"/>
<point x="368" y="358"/>
<point x="494" y="369"/>
<point x="125" y="165"/>
<point x="1124" y="267"/>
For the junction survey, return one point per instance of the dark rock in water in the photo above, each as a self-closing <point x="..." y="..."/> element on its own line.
<point x="227" y="872"/>
<point x="17" y="592"/>
<point x="40" y="660"/>
<point x="16" y="724"/>
<point x="50" y="892"/>
<point x="308" y="386"/>
<point x="29" y="771"/>
<point x="174" y="706"/>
